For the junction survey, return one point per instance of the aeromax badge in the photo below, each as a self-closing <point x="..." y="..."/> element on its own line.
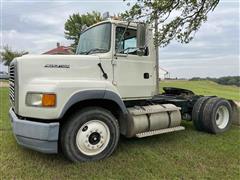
<point x="57" y="66"/>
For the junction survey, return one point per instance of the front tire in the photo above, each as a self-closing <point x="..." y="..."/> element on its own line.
<point x="90" y="134"/>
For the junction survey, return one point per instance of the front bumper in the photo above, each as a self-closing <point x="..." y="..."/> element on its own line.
<point x="42" y="137"/>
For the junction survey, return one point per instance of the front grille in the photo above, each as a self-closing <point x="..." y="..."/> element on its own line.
<point x="12" y="84"/>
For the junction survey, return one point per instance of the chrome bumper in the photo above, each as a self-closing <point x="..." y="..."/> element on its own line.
<point x="42" y="137"/>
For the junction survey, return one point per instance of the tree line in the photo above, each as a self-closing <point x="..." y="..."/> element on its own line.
<point x="227" y="80"/>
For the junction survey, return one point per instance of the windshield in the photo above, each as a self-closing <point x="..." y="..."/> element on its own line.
<point x="96" y="39"/>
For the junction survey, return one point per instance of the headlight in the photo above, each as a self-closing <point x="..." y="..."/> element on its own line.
<point x="41" y="99"/>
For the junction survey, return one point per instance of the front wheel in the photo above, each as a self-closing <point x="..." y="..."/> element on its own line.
<point x="90" y="134"/>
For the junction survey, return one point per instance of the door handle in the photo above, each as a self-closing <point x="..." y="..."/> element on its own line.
<point x="146" y="75"/>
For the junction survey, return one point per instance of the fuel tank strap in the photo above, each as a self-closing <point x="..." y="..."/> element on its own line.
<point x="169" y="116"/>
<point x="153" y="109"/>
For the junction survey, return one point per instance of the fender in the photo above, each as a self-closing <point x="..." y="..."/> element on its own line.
<point x="94" y="94"/>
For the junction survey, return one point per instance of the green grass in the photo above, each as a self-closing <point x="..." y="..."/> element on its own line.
<point x="4" y="107"/>
<point x="206" y="88"/>
<point x="187" y="154"/>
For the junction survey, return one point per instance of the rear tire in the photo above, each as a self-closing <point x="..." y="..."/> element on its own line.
<point x="217" y="115"/>
<point x="90" y="134"/>
<point x="197" y="113"/>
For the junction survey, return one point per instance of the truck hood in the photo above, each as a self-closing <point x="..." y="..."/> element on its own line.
<point x="62" y="67"/>
<point x="64" y="75"/>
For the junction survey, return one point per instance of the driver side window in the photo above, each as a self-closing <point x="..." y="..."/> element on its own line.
<point x="126" y="44"/>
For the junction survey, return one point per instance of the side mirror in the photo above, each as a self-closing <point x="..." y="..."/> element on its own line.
<point x="141" y="36"/>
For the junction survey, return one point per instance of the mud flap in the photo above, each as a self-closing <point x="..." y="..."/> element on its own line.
<point x="236" y="111"/>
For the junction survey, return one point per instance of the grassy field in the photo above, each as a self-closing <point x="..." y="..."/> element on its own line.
<point x="206" y="88"/>
<point x="181" y="155"/>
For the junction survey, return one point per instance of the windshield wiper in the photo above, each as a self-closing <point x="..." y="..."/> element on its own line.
<point x="96" y="50"/>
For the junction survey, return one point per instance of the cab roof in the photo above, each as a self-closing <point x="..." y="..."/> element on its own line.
<point x="113" y="21"/>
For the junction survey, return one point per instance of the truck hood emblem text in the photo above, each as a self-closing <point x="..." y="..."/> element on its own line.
<point x="57" y="66"/>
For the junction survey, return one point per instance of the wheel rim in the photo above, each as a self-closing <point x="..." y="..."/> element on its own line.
<point x="93" y="137"/>
<point x="222" y="117"/>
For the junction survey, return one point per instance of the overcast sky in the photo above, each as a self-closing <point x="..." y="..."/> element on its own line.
<point x="36" y="26"/>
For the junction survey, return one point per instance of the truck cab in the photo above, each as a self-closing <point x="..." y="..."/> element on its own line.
<point x="82" y="103"/>
<point x="127" y="68"/>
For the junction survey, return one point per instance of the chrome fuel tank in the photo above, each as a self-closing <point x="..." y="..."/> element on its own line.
<point x="153" y="117"/>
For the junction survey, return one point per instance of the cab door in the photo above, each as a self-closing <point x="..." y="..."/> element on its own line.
<point x="133" y="73"/>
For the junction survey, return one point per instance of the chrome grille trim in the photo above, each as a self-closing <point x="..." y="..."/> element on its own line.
<point x="12" y="84"/>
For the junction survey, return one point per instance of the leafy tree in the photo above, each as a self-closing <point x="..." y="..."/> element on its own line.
<point x="76" y="22"/>
<point x="177" y="19"/>
<point x="7" y="55"/>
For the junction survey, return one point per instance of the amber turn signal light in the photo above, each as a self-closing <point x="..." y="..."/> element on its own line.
<point x="49" y="100"/>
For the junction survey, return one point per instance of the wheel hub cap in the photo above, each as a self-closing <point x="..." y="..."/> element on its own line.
<point x="222" y="117"/>
<point x="93" y="137"/>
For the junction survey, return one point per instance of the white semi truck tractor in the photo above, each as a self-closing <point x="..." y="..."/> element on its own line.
<point x="82" y="103"/>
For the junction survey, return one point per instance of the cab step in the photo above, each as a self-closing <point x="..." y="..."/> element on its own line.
<point x="160" y="131"/>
